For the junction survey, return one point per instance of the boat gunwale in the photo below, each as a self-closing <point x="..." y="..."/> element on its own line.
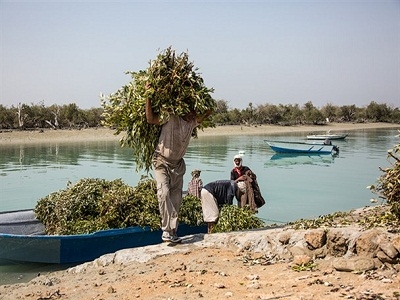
<point x="310" y="150"/>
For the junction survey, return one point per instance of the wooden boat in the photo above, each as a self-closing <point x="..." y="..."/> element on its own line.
<point x="22" y="239"/>
<point x="327" y="136"/>
<point x="302" y="147"/>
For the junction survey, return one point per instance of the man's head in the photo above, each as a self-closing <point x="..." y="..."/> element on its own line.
<point x="196" y="173"/>
<point x="237" y="160"/>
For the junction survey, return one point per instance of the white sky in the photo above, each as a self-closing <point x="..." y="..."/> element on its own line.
<point x="279" y="52"/>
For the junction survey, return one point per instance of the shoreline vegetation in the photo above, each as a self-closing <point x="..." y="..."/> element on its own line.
<point x="10" y="137"/>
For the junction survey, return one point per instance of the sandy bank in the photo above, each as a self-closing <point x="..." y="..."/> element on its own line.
<point x="100" y="134"/>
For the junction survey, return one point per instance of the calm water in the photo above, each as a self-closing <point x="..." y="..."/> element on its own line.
<point x="293" y="187"/>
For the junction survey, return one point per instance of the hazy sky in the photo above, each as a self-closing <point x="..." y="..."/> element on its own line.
<point x="278" y="52"/>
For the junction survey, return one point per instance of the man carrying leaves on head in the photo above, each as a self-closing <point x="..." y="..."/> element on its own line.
<point x="169" y="165"/>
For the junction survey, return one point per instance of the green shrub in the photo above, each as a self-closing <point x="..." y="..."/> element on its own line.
<point x="388" y="184"/>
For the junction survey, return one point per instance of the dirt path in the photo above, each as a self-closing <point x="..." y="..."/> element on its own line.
<point x="208" y="274"/>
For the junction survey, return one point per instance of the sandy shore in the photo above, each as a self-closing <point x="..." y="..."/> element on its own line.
<point x="93" y="134"/>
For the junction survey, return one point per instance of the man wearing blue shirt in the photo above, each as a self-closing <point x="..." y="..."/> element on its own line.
<point x="213" y="196"/>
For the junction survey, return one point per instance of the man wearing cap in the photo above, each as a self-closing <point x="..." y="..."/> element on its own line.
<point x="196" y="184"/>
<point x="238" y="174"/>
<point x="247" y="183"/>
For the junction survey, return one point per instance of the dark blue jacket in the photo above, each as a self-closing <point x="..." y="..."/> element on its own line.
<point x="222" y="190"/>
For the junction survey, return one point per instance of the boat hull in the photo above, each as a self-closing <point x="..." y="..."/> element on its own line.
<point x="79" y="248"/>
<point x="300" y="148"/>
<point x="326" y="137"/>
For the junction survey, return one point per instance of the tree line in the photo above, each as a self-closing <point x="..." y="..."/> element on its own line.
<point x="307" y="114"/>
<point x="33" y="116"/>
<point x="70" y="116"/>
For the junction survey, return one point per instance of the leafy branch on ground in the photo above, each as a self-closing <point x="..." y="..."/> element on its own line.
<point x="304" y="267"/>
<point x="366" y="218"/>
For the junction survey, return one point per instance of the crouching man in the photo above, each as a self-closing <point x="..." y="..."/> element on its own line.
<point x="213" y="196"/>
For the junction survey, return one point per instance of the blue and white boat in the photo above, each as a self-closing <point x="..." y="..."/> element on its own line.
<point x="22" y="239"/>
<point x="302" y="147"/>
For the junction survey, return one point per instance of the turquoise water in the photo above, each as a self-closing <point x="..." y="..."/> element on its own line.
<point x="294" y="187"/>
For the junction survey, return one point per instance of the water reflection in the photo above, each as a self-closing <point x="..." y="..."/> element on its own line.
<point x="288" y="160"/>
<point x="58" y="155"/>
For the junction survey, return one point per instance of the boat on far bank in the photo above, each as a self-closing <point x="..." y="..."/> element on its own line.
<point x="302" y="147"/>
<point x="22" y="239"/>
<point x="327" y="136"/>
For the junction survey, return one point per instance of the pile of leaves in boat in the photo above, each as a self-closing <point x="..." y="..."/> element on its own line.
<point x="93" y="204"/>
<point x="174" y="86"/>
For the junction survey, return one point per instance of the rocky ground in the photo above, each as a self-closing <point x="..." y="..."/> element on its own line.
<point x="272" y="263"/>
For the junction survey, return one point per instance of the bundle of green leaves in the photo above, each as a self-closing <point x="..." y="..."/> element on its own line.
<point x="96" y="204"/>
<point x="174" y="86"/>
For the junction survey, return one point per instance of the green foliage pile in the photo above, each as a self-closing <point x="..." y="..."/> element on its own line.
<point x="234" y="218"/>
<point x="97" y="204"/>
<point x="388" y="184"/>
<point x="174" y="87"/>
<point x="191" y="211"/>
<point x="93" y="204"/>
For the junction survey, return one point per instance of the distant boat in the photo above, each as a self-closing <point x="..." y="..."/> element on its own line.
<point x="327" y="136"/>
<point x="302" y="147"/>
<point x="22" y="239"/>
